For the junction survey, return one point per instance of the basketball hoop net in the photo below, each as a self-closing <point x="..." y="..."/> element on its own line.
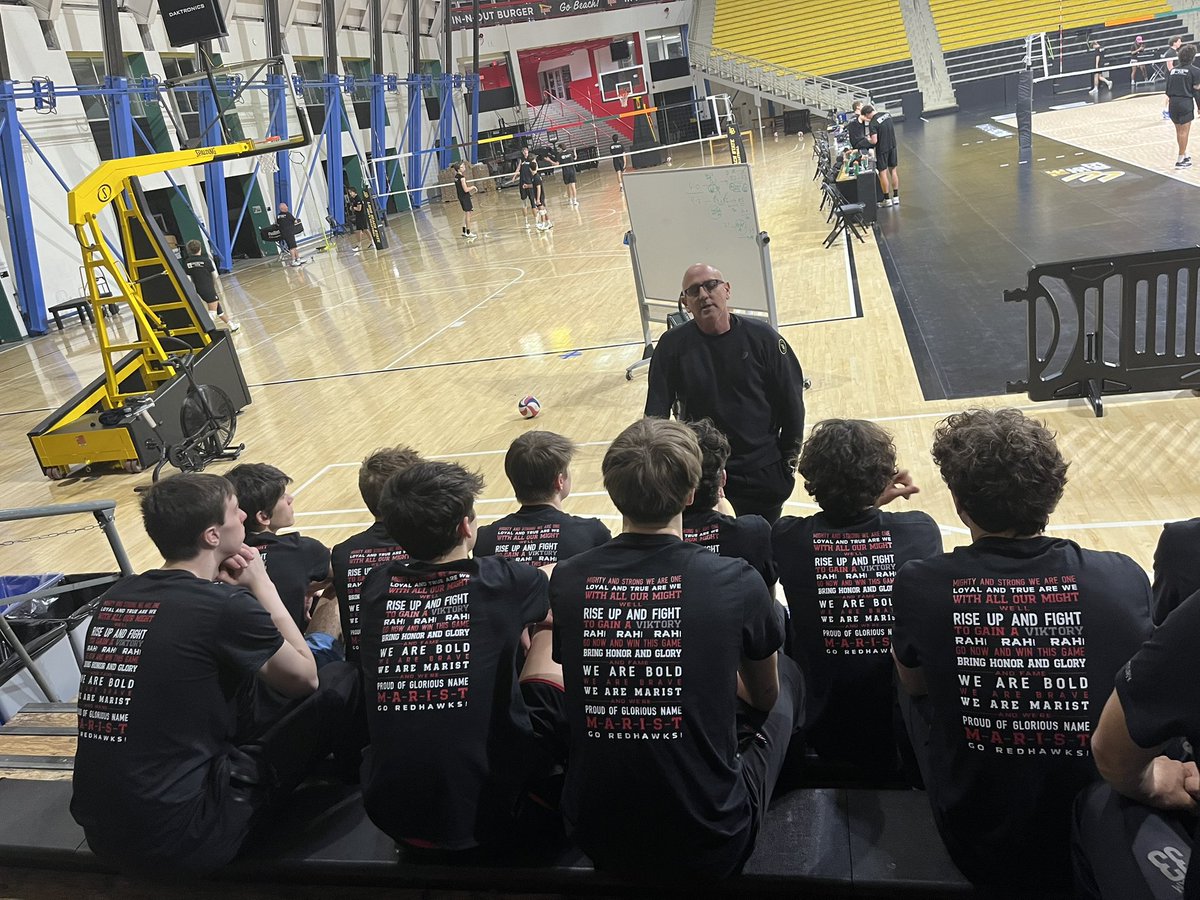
<point x="623" y="96"/>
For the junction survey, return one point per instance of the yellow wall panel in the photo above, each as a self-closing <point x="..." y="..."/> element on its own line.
<point x="813" y="36"/>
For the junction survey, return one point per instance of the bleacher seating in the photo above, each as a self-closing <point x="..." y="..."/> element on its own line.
<point x="771" y="30"/>
<point x="974" y="23"/>
<point x="822" y="842"/>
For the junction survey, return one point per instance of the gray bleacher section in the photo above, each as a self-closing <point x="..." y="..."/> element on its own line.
<point x="979" y="73"/>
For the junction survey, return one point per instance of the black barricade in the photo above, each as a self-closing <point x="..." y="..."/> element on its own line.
<point x="1112" y="325"/>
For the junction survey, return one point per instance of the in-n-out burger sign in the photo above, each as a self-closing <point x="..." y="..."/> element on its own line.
<point x="501" y="13"/>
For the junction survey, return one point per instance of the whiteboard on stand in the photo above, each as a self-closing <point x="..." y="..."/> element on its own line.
<point x="683" y="216"/>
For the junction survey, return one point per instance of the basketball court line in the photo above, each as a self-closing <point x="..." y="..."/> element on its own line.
<point x="411" y="350"/>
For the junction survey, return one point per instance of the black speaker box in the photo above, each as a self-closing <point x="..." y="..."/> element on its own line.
<point x="619" y="50"/>
<point x="192" y="21"/>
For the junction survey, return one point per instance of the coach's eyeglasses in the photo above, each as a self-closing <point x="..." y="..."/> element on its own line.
<point x="693" y="291"/>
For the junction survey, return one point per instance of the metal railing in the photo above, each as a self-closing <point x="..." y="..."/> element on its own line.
<point x="782" y="83"/>
<point x="105" y="514"/>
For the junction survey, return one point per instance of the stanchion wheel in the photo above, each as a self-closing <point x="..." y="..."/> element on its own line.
<point x="56" y="473"/>
<point x="132" y="466"/>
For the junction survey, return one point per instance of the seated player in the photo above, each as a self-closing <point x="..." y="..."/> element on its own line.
<point x="298" y="565"/>
<point x="837" y="569"/>
<point x="1176" y="566"/>
<point x="175" y="765"/>
<point x="1013" y="640"/>
<point x="454" y="749"/>
<point x="674" y="754"/>
<point x="354" y="558"/>
<point x="744" y="537"/>
<point x="1138" y="844"/>
<point x="538" y="466"/>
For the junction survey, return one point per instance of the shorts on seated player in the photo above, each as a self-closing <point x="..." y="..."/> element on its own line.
<point x="538" y="464"/>
<point x="1012" y="640"/>
<point x="837" y="569"/>
<point x="175" y="765"/>
<point x="674" y="753"/>
<point x="454" y="749"/>
<point x="298" y="565"/>
<point x="744" y="537"/>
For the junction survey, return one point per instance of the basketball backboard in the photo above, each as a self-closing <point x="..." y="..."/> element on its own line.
<point x="630" y="79"/>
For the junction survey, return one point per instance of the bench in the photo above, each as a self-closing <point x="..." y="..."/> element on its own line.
<point x="819" y="842"/>
<point x="80" y="305"/>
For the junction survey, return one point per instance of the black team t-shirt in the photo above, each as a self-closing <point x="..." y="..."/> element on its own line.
<point x="1159" y="690"/>
<point x="353" y="560"/>
<point x="539" y="534"/>
<point x="165" y="659"/>
<point x="617" y="151"/>
<point x="884" y="126"/>
<point x="856" y="133"/>
<point x="747" y="380"/>
<point x="200" y="270"/>
<point x="451" y="740"/>
<point x="650" y="631"/>
<point x="838" y="576"/>
<point x="1019" y="641"/>
<point x="460" y="187"/>
<point x="1176" y="566"/>
<point x="288" y="226"/>
<point x="526" y="179"/>
<point x="294" y="562"/>
<point x="742" y="537"/>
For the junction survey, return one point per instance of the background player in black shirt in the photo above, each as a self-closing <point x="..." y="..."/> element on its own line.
<point x="201" y="270"/>
<point x="526" y="165"/>
<point x="1170" y="57"/>
<point x="356" y="206"/>
<point x="298" y="565"/>
<point x="856" y="128"/>
<point x="464" y="191"/>
<point x="744" y="537"/>
<point x="454" y="740"/>
<point x="1183" y="82"/>
<point x="1099" y="62"/>
<point x="175" y="764"/>
<point x="569" y="174"/>
<point x="738" y="372"/>
<point x="680" y="711"/>
<point x="882" y="135"/>
<point x="354" y="558"/>
<point x="837" y="568"/>
<point x="538" y="464"/>
<point x="289" y="226"/>
<point x="617" y="151"/>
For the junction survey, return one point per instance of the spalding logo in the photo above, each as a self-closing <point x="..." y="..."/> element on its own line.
<point x="783" y="346"/>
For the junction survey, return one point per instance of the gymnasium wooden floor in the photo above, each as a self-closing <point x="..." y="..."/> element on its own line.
<point x="432" y="342"/>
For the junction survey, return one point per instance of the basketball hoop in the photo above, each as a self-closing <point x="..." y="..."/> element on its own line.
<point x="623" y="96"/>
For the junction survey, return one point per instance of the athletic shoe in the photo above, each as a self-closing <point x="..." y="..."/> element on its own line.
<point x="540" y="227"/>
<point x="233" y="326"/>
<point x="356" y="249"/>
<point x="549" y="225"/>
<point x="895" y="201"/>
<point x="1166" y="116"/>
<point x="1094" y="92"/>
<point x="1184" y="164"/>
